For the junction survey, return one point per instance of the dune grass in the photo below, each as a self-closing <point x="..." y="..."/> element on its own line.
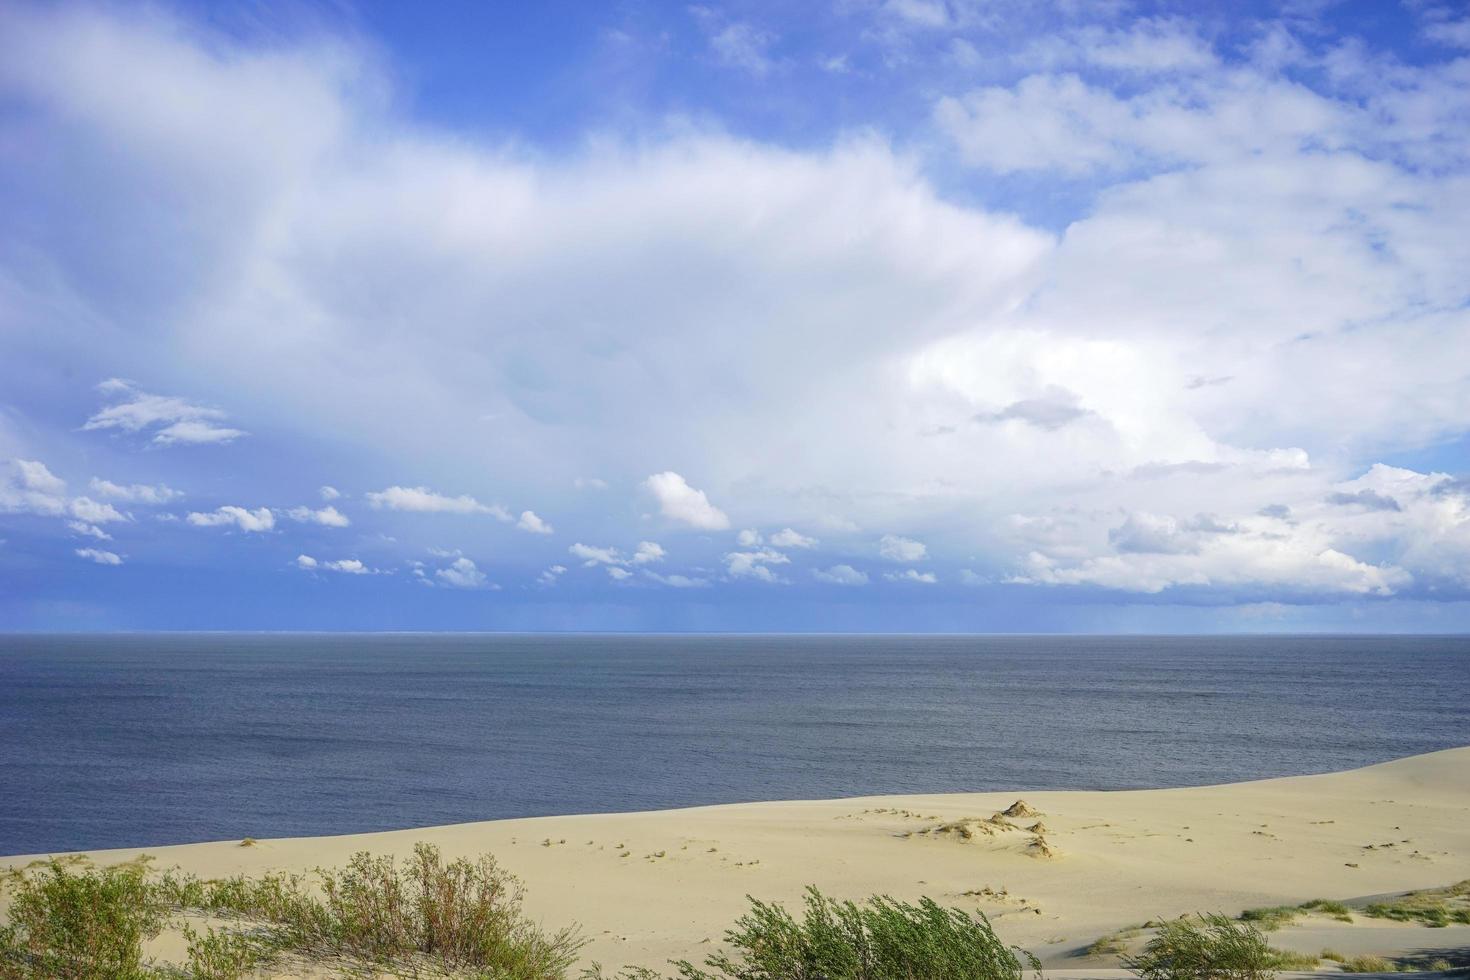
<point x="457" y="918"/>
<point x="1436" y="907"/>
<point x="880" y="939"/>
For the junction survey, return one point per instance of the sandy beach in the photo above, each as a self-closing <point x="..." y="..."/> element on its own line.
<point x="1060" y="871"/>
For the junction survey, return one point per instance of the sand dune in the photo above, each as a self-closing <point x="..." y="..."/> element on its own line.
<point x="1054" y="870"/>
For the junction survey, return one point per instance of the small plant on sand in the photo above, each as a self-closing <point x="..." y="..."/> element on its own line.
<point x="1368" y="964"/>
<point x="1435" y="907"/>
<point x="1327" y="906"/>
<point x="1206" y="947"/>
<point x="1272" y="917"/>
<point x="86" y="924"/>
<point x="880" y="939"/>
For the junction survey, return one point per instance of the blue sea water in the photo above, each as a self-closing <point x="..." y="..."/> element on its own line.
<point x="110" y="741"/>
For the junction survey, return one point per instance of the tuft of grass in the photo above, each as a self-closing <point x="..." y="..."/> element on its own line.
<point x="1206" y="947"/>
<point x="1330" y="907"/>
<point x="1333" y="955"/>
<point x="249" y="842"/>
<point x="1435" y="907"/>
<point x="67" y="925"/>
<point x="1272" y="917"/>
<point x="1368" y="964"/>
<point x="1114" y="943"/>
<point x="880" y="939"/>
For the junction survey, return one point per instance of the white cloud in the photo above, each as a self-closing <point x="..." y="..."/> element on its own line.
<point x="329" y="493"/>
<point x="896" y="548"/>
<point x="749" y="538"/>
<point x="347" y="566"/>
<point x="174" y="421"/>
<point x="743" y="46"/>
<point x="462" y="574"/>
<point x="135" y="493"/>
<point x="912" y="575"/>
<point x="589" y="483"/>
<point x="841" y="575"/>
<point x="679" y="501"/>
<point x="260" y="519"/>
<point x="551" y="575"/>
<point x="649" y="551"/>
<point x="787" y="538"/>
<point x="530" y="522"/>
<point x="30" y="488"/>
<point x="328" y="516"/>
<point x="591" y="556"/>
<point x="94" y="512"/>
<point x="676" y="581"/>
<point x="424" y="500"/>
<point x="88" y="530"/>
<point x="100" y="557"/>
<point x="618" y="574"/>
<point x="755" y="564"/>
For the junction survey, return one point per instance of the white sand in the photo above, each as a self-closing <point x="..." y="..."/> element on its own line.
<point x="647" y="887"/>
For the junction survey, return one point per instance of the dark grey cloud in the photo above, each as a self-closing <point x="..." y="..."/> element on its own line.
<point x="1367" y="499"/>
<point x="1058" y="407"/>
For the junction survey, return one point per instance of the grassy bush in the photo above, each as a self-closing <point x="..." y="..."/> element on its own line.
<point x="462" y="915"/>
<point x="1329" y="907"/>
<point x="881" y="939"/>
<point x="82" y="925"/>
<point x="1207" y="947"/>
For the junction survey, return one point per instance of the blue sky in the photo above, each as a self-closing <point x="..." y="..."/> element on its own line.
<point x="907" y="315"/>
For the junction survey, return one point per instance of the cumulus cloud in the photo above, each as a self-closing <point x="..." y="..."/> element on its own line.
<point x="88" y="530"/>
<point x="329" y="492"/>
<point x="680" y="502"/>
<point x="100" y="557"/>
<point x="551" y="575"/>
<point x="134" y="493"/>
<point x="912" y="575"/>
<point x="530" y="522"/>
<point x="896" y="548"/>
<point x="841" y="575"/>
<point x="649" y="551"/>
<point x="787" y="538"/>
<point x="173" y="421"/>
<point x="676" y="581"/>
<point x="29" y="487"/>
<point x="328" y="516"/>
<point x="258" y="520"/>
<point x="347" y="566"/>
<point x="618" y="574"/>
<point x="425" y="501"/>
<point x="462" y="574"/>
<point x="755" y="564"/>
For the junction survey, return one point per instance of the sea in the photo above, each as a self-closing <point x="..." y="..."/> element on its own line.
<point x="139" y="740"/>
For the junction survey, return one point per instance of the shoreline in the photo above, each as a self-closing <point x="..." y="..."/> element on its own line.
<point x="1071" y="866"/>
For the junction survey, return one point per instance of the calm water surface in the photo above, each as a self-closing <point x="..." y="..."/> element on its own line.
<point x="109" y="741"/>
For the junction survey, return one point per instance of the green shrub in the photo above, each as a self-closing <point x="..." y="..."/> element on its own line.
<point x="220" y="955"/>
<point x="1207" y="947"/>
<point x="880" y="939"/>
<point x="85" y="925"/>
<point x="1436" y="907"/>
<point x="461" y="914"/>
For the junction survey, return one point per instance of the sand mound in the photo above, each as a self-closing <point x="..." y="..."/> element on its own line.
<point x="1039" y="848"/>
<point x="1038" y="828"/>
<point x="1021" y="808"/>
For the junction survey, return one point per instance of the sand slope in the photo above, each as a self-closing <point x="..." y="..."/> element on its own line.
<point x="650" y="886"/>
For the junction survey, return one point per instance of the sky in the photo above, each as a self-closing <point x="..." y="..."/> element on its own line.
<point x="868" y="315"/>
